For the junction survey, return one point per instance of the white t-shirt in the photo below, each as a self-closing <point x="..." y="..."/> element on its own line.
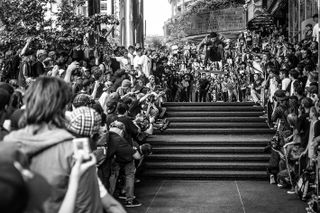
<point x="131" y="58"/>
<point x="273" y="88"/>
<point x="315" y="33"/>
<point x="123" y="62"/>
<point x="136" y="62"/>
<point x="145" y="62"/>
<point x="292" y="87"/>
<point x="257" y="66"/>
<point x="285" y="83"/>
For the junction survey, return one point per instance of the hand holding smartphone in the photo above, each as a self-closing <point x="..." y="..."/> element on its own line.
<point x="81" y="147"/>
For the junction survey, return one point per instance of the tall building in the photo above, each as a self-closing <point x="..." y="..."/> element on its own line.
<point x="131" y="18"/>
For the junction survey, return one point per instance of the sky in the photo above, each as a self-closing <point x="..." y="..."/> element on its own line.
<point x="156" y="12"/>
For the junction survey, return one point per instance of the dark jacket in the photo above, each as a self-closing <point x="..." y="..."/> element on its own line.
<point x="303" y="129"/>
<point x="119" y="148"/>
<point x="131" y="131"/>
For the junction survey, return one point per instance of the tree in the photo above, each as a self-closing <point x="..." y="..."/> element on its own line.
<point x="21" y="19"/>
<point x="156" y="43"/>
<point x="26" y="18"/>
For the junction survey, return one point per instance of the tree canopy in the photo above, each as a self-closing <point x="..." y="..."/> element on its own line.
<point x="26" y="18"/>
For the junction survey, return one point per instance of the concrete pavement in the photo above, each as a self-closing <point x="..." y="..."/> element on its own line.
<point x="176" y="196"/>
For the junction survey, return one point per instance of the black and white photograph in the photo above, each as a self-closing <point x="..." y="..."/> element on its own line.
<point x="159" y="106"/>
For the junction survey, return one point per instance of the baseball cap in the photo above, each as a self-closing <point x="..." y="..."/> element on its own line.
<point x="84" y="121"/>
<point x="82" y="100"/>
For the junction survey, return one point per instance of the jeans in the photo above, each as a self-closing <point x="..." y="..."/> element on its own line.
<point x="225" y="96"/>
<point x="232" y="93"/>
<point x="203" y="96"/>
<point x="129" y="171"/>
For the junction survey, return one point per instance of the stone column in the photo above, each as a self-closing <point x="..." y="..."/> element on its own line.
<point x="319" y="51"/>
<point x="129" y="29"/>
<point x="139" y="31"/>
<point x="122" y="22"/>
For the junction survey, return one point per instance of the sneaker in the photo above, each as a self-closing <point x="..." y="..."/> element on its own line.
<point x="280" y="185"/>
<point x="291" y="192"/>
<point x="132" y="203"/>
<point x="124" y="197"/>
<point x="165" y="125"/>
<point x="263" y="116"/>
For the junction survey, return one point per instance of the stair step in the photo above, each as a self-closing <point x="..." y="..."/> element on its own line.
<point x="211" y="138"/>
<point x="214" y="108"/>
<point x="208" y="104"/>
<point x="217" y="125"/>
<point x="189" y="131"/>
<point x="208" y="157"/>
<point x="214" y="114"/>
<point x="249" y="166"/>
<point x="209" y="143"/>
<point x="205" y="174"/>
<point x="216" y="119"/>
<point x="206" y="149"/>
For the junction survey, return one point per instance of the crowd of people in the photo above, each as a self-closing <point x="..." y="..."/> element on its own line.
<point x="275" y="72"/>
<point x="288" y="89"/>
<point x="58" y="105"/>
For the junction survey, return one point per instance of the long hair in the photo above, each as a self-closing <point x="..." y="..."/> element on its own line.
<point x="46" y="101"/>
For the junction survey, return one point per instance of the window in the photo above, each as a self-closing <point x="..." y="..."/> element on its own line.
<point x="103" y="6"/>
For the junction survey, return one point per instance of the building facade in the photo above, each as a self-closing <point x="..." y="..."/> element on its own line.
<point x="228" y="21"/>
<point x="300" y="13"/>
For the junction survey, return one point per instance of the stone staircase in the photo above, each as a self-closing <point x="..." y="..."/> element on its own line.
<point x="210" y="141"/>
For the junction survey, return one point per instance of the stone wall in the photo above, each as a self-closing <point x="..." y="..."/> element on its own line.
<point x="225" y="20"/>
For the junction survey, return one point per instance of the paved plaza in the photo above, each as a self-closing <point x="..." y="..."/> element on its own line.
<point x="166" y="196"/>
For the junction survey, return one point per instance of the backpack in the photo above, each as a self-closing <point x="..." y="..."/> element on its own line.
<point x="302" y="187"/>
<point x="313" y="205"/>
<point x="102" y="149"/>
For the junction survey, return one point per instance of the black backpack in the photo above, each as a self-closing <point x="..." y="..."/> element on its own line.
<point x="303" y="184"/>
<point x="102" y="149"/>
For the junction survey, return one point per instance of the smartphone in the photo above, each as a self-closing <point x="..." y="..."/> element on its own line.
<point x="81" y="146"/>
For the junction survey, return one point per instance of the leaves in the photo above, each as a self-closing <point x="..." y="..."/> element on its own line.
<point x="26" y="18"/>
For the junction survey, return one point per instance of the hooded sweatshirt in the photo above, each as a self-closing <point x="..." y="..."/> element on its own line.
<point x="50" y="151"/>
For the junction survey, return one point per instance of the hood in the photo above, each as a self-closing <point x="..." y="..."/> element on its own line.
<point x="34" y="139"/>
